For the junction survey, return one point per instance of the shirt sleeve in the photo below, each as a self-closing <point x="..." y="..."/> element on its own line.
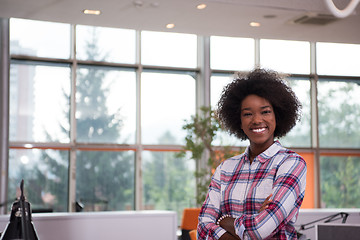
<point x="210" y="211"/>
<point x="288" y="194"/>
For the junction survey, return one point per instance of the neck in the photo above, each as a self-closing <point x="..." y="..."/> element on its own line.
<point x="255" y="150"/>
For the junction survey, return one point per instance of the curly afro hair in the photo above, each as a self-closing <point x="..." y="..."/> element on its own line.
<point x="266" y="84"/>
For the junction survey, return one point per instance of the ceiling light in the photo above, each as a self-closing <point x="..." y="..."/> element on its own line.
<point x="269" y="16"/>
<point x="170" y="25"/>
<point x="92" y="12"/>
<point x="255" y="24"/>
<point x="201" y="6"/>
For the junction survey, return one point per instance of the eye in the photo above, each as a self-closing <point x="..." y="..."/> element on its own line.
<point x="246" y="114"/>
<point x="266" y="112"/>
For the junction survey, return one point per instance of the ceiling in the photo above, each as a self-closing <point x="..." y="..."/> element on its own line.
<point x="220" y="17"/>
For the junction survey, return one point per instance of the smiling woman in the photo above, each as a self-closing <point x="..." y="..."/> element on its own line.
<point x="257" y="194"/>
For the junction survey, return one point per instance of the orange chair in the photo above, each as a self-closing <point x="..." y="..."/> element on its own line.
<point x="192" y="234"/>
<point x="189" y="222"/>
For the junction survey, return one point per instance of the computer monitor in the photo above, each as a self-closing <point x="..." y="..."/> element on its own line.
<point x="337" y="231"/>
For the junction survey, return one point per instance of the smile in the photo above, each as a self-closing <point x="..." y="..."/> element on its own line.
<point x="258" y="130"/>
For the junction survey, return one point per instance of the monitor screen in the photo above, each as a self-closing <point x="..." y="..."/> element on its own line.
<point x="337" y="231"/>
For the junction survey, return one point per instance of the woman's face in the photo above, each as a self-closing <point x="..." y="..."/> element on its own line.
<point x="258" y="121"/>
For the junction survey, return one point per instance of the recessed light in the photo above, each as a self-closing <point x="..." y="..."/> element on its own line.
<point x="92" y="12"/>
<point x="255" y="24"/>
<point x="269" y="16"/>
<point x="201" y="6"/>
<point x="170" y="25"/>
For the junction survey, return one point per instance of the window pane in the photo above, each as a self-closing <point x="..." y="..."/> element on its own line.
<point x="300" y="135"/>
<point x="39" y="103"/>
<point x="169" y="49"/>
<point x="339" y="111"/>
<point x="45" y="174"/>
<point x="339" y="181"/>
<point x="285" y="56"/>
<point x="105" y="180"/>
<point x="168" y="182"/>
<point x="105" y="105"/>
<point x="229" y="53"/>
<point x="40" y="39"/>
<point x="105" y="44"/>
<point x="217" y="83"/>
<point x="338" y="59"/>
<point x="167" y="100"/>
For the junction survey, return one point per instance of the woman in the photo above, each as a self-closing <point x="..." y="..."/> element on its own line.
<point x="256" y="195"/>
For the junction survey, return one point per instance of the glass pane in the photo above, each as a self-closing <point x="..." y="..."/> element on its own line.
<point x="45" y="174"/>
<point x="339" y="182"/>
<point x="338" y="59"/>
<point x="40" y="39"/>
<point x="339" y="111"/>
<point x="300" y="135"/>
<point x="105" y="105"/>
<point x="105" y="180"/>
<point x="217" y="83"/>
<point x="168" y="182"/>
<point x="229" y="53"/>
<point x="105" y="44"/>
<point x="285" y="56"/>
<point x="166" y="101"/>
<point x="39" y="103"/>
<point x="168" y="49"/>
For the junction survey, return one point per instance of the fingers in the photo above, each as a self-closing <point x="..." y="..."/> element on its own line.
<point x="266" y="203"/>
<point x="268" y="198"/>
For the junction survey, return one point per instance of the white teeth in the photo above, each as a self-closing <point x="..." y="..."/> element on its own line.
<point x="259" y="130"/>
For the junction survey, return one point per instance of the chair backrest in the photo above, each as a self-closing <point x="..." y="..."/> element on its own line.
<point x="192" y="234"/>
<point x="190" y="218"/>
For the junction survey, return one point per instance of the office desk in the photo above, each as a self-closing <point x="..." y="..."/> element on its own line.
<point x="135" y="225"/>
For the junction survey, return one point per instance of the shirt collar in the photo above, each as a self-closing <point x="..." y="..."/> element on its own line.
<point x="268" y="153"/>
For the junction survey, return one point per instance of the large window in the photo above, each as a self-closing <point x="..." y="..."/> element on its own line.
<point x="167" y="99"/>
<point x="285" y="56"/>
<point x="339" y="111"/>
<point x="81" y="119"/>
<point x="39" y="102"/>
<point x="339" y="178"/>
<point x="105" y="44"/>
<point x="168" y="181"/>
<point x="338" y="59"/>
<point x="105" y="105"/>
<point x="45" y="174"/>
<point x="96" y="114"/>
<point x="300" y="135"/>
<point x="236" y="54"/>
<point x="40" y="39"/>
<point x="169" y="49"/>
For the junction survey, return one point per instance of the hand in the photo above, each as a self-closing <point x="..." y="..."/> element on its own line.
<point x="266" y="203"/>
<point x="228" y="224"/>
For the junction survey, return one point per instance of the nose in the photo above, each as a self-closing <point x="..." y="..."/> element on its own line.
<point x="257" y="118"/>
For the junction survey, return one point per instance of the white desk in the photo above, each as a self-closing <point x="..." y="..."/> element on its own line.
<point x="134" y="225"/>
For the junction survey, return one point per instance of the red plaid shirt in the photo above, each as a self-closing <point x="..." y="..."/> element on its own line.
<point x="239" y="189"/>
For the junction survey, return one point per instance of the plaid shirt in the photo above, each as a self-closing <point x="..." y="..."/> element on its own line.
<point x="239" y="189"/>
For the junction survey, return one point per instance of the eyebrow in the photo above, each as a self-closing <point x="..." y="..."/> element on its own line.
<point x="263" y="107"/>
